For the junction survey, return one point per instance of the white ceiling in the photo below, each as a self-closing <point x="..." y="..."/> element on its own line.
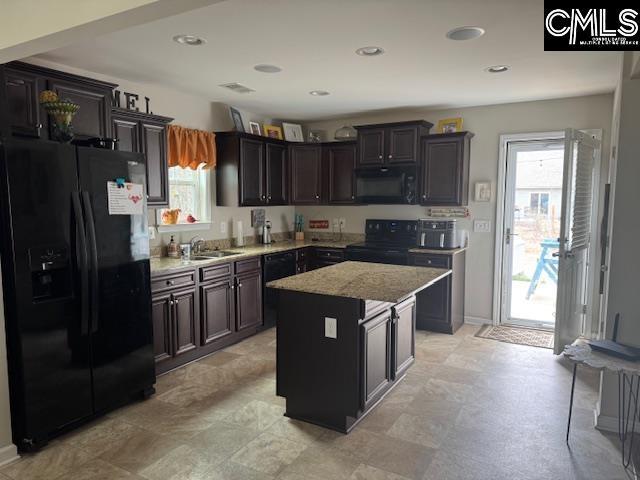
<point x="314" y="43"/>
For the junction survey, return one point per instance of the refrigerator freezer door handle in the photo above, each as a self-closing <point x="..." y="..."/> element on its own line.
<point x="81" y="257"/>
<point x="93" y="257"/>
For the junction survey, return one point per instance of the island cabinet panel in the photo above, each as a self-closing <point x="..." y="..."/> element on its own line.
<point x="335" y="380"/>
<point x="445" y="169"/>
<point x="403" y="336"/>
<point x="340" y="161"/>
<point x="376" y="358"/>
<point x="249" y="300"/>
<point x="306" y="174"/>
<point x="218" y="310"/>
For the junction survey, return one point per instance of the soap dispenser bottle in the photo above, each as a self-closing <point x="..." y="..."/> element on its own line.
<point x="173" y="250"/>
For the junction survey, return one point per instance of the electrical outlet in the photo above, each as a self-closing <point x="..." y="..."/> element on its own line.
<point x="330" y="327"/>
<point x="482" y="226"/>
<point x="223" y="227"/>
<point x="343" y="223"/>
<point x="335" y="222"/>
<point x="152" y="233"/>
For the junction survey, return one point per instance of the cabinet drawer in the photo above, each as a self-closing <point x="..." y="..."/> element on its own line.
<point x="331" y="254"/>
<point x="436" y="261"/>
<point x="249" y="265"/>
<point x="168" y="282"/>
<point x="215" y="272"/>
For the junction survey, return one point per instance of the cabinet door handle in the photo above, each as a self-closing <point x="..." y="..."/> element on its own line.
<point x="380" y="157"/>
<point x="424" y="195"/>
<point x="390" y="156"/>
<point x="233" y="287"/>
<point x="239" y="285"/>
<point x="38" y="126"/>
<point x="317" y="196"/>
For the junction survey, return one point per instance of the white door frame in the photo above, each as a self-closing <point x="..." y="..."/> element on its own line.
<point x="593" y="300"/>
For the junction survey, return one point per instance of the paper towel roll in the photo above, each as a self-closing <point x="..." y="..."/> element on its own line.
<point x="239" y="234"/>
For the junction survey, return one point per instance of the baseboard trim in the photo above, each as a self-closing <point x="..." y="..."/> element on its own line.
<point x="477" y="320"/>
<point x="609" y="424"/>
<point x="8" y="454"/>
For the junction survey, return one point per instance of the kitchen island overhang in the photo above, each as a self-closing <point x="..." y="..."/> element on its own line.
<point x="345" y="338"/>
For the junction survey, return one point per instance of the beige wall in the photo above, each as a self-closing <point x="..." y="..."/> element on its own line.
<point x="488" y="123"/>
<point x="194" y="112"/>
<point x="622" y="291"/>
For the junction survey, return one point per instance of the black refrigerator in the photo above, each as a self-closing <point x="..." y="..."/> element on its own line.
<point x="76" y="286"/>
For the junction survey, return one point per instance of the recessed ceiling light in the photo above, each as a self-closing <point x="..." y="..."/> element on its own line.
<point x="370" y="51"/>
<point x="266" y="68"/>
<point x="190" y="40"/>
<point x="465" y="33"/>
<point x="319" y="93"/>
<point x="497" y="68"/>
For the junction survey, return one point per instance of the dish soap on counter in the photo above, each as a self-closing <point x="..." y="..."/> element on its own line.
<point x="173" y="250"/>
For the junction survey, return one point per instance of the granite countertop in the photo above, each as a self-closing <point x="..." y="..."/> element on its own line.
<point x="363" y="280"/>
<point x="166" y="264"/>
<point x="438" y="251"/>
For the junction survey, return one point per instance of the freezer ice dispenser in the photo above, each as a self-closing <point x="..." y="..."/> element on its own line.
<point x="50" y="273"/>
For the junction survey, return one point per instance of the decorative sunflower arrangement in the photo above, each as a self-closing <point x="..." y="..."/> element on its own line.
<point x="62" y="112"/>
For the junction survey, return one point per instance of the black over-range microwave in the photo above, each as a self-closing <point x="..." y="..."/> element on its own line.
<point x="386" y="185"/>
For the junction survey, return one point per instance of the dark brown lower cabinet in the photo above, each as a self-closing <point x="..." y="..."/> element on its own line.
<point x="334" y="381"/>
<point x="217" y="310"/>
<point x="175" y="323"/>
<point x="403" y="328"/>
<point x="161" y="316"/>
<point x="249" y="300"/>
<point x="198" y="311"/>
<point x="323" y="257"/>
<point x="440" y="308"/>
<point x="185" y="322"/>
<point x="376" y="358"/>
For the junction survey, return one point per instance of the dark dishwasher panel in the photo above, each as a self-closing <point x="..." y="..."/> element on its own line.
<point x="276" y="266"/>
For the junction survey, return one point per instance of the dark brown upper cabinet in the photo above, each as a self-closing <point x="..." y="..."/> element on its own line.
<point x="390" y="143"/>
<point x="93" y="116"/>
<point x="23" y="109"/>
<point x="276" y="167"/>
<point x="23" y="84"/>
<point x="145" y="133"/>
<point x="445" y="169"/>
<point x="306" y="174"/>
<point x="340" y="163"/>
<point x="251" y="170"/>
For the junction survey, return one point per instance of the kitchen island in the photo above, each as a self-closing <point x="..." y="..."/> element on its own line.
<point x="345" y="338"/>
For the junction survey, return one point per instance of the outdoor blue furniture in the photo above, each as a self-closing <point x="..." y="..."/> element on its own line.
<point x="546" y="263"/>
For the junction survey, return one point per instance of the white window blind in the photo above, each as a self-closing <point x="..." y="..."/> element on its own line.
<point x="581" y="191"/>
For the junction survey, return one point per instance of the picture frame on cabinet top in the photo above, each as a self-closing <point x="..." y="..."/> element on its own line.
<point x="292" y="132"/>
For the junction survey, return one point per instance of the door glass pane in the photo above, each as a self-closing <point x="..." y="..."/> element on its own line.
<point x="531" y="269"/>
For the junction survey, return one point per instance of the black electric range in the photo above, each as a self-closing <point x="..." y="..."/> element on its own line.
<point x="386" y="241"/>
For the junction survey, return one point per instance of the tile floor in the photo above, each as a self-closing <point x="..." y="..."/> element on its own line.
<point x="469" y="408"/>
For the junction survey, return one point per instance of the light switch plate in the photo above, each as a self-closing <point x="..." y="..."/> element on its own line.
<point x="482" y="226"/>
<point x="152" y="232"/>
<point x="223" y="227"/>
<point x="330" y="327"/>
<point x="343" y="223"/>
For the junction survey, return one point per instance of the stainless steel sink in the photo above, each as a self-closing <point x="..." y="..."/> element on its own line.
<point x="210" y="255"/>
